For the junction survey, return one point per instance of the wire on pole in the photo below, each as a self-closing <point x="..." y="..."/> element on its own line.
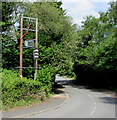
<point x="21" y="41"/>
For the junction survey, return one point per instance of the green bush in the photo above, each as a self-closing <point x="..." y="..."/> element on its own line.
<point x="46" y="76"/>
<point x="26" y="90"/>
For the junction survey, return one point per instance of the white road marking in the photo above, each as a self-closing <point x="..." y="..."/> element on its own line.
<point x="95" y="103"/>
<point x="93" y="111"/>
<point x="90" y="96"/>
<point x="93" y="100"/>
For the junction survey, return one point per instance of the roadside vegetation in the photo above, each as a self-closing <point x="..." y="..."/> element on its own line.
<point x="16" y="92"/>
<point x="87" y="53"/>
<point x="55" y="32"/>
<point x="96" y="57"/>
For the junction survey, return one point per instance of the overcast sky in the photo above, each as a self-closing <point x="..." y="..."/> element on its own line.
<point x="79" y="9"/>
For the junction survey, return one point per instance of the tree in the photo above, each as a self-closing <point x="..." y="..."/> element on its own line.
<point x="56" y="35"/>
<point x="9" y="40"/>
<point x="97" y="49"/>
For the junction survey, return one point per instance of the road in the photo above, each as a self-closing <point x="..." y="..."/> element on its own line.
<point x="81" y="103"/>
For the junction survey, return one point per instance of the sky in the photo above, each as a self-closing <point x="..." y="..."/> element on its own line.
<point x="79" y="9"/>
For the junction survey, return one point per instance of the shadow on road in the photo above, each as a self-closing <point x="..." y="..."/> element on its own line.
<point x="109" y="100"/>
<point x="64" y="82"/>
<point x="58" y="88"/>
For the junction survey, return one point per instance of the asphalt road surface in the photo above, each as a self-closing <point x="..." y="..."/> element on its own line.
<point x="81" y="103"/>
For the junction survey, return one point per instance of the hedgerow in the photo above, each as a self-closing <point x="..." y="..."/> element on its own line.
<point x="26" y="90"/>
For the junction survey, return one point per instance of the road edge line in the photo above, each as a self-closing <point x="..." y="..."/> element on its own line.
<point x="49" y="109"/>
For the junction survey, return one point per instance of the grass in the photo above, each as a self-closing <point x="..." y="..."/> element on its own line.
<point x="24" y="103"/>
<point x="18" y="93"/>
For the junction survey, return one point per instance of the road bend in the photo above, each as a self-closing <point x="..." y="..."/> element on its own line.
<point x="81" y="103"/>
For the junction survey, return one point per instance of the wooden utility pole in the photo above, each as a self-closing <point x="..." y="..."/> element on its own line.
<point x="21" y="44"/>
<point x="21" y="47"/>
<point x="36" y="46"/>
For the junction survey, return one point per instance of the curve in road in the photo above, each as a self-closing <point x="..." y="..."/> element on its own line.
<point x="82" y="103"/>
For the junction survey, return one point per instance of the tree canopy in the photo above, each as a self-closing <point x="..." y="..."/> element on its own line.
<point x="55" y="34"/>
<point x="92" y="48"/>
<point x="97" y="51"/>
